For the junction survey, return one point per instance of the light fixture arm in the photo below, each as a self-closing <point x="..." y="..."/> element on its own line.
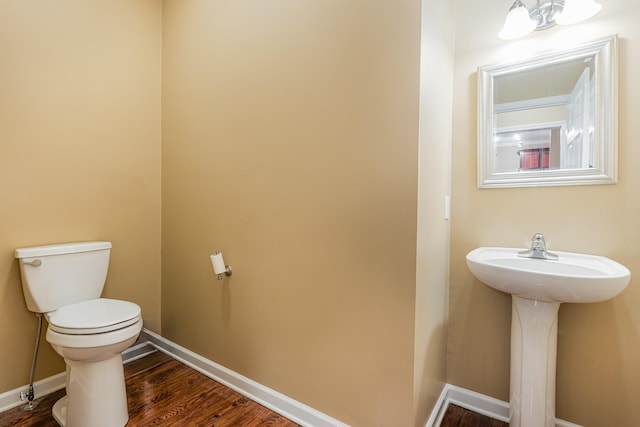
<point x="546" y="14"/>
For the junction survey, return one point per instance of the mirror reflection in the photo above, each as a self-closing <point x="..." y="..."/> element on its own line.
<point x="549" y="120"/>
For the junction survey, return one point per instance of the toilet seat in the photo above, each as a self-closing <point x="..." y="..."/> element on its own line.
<point x="66" y="343"/>
<point x="95" y="316"/>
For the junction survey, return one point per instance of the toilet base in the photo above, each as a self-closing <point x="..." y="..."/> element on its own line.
<point x="96" y="395"/>
<point x="59" y="411"/>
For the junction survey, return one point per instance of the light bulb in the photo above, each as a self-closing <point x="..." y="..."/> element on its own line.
<point x="577" y="10"/>
<point x="518" y="23"/>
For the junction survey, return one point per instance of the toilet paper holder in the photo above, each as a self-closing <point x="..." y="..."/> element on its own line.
<point x="219" y="267"/>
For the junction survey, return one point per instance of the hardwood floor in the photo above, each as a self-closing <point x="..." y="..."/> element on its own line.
<point x="163" y="392"/>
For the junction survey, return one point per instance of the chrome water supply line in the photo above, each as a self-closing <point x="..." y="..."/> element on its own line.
<point x="30" y="395"/>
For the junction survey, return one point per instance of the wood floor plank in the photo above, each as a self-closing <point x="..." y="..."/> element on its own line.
<point x="40" y="416"/>
<point x="199" y="409"/>
<point x="455" y="416"/>
<point x="142" y="365"/>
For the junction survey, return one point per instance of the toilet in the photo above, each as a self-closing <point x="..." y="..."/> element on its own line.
<point x="65" y="282"/>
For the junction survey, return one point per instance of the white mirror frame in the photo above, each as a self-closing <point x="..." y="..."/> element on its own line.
<point x="605" y="52"/>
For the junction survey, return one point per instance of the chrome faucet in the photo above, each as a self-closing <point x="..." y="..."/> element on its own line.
<point x="538" y="249"/>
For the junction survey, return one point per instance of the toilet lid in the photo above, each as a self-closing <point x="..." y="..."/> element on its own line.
<point x="94" y="316"/>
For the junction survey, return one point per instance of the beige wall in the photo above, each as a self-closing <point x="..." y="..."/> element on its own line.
<point x="598" y="374"/>
<point x="290" y="143"/>
<point x="79" y="153"/>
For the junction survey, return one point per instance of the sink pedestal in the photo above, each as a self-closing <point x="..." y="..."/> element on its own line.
<point x="534" y="339"/>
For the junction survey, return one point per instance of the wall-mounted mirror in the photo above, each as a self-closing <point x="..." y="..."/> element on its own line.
<point x="550" y="120"/>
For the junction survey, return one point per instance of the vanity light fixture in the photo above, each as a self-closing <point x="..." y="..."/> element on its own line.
<point x="521" y="21"/>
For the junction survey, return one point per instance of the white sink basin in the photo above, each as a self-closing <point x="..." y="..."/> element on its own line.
<point x="571" y="278"/>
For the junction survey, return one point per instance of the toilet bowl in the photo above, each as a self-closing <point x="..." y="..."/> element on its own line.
<point x="91" y="336"/>
<point x="65" y="282"/>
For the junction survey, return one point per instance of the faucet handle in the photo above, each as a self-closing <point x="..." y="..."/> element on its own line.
<point x="538" y="249"/>
<point x="538" y="238"/>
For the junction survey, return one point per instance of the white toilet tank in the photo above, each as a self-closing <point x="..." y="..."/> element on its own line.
<point x="57" y="275"/>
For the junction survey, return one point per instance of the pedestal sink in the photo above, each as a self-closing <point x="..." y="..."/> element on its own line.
<point x="538" y="287"/>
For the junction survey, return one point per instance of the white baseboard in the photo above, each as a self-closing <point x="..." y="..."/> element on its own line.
<point x="277" y="402"/>
<point x="11" y="399"/>
<point x="475" y="402"/>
